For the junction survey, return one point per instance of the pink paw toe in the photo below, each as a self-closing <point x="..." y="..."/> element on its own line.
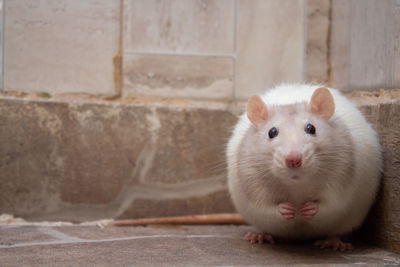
<point x="287" y="210"/>
<point x="308" y="210"/>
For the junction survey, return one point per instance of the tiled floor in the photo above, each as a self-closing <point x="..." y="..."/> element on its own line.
<point x="164" y="245"/>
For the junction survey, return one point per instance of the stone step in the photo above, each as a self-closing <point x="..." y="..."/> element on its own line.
<point x="84" y="158"/>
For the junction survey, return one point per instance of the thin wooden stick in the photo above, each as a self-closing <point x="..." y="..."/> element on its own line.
<point x="221" y="218"/>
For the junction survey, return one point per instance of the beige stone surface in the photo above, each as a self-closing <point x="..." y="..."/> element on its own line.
<point x="12" y="234"/>
<point x="85" y="161"/>
<point x="372" y="44"/>
<point x="340" y="45"/>
<point x="383" y="226"/>
<point x="61" y="46"/>
<point x="218" y="202"/>
<point x="317" y="64"/>
<point x="205" y="77"/>
<point x="191" y="143"/>
<point x="365" y="44"/>
<point x="270" y="44"/>
<point x="179" y="26"/>
<point x="180" y="245"/>
<point x="97" y="233"/>
<point x="67" y="153"/>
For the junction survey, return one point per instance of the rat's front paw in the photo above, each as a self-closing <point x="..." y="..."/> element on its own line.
<point x="287" y="210"/>
<point x="308" y="210"/>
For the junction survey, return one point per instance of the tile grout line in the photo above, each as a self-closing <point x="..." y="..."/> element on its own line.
<point x="305" y="43"/>
<point x="3" y="21"/>
<point x="235" y="72"/>
<point x="348" y="56"/>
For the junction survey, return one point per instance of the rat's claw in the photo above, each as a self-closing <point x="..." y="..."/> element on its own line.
<point x="335" y="243"/>
<point x="259" y="238"/>
<point x="269" y="239"/>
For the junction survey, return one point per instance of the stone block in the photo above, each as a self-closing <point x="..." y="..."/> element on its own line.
<point x="365" y="44"/>
<point x="179" y="26"/>
<point x="382" y="227"/>
<point x="372" y="47"/>
<point x="80" y="161"/>
<point x="66" y="153"/>
<point x="205" y="77"/>
<point x="61" y="46"/>
<point x="340" y="44"/>
<point x="318" y="29"/>
<point x="270" y="44"/>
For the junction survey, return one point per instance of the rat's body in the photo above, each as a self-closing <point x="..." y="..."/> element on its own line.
<point x="315" y="175"/>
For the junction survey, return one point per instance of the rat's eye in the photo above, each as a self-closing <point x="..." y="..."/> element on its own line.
<point x="273" y="132"/>
<point x="310" y="129"/>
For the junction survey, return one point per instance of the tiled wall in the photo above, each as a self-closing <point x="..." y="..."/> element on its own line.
<point x="179" y="48"/>
<point x="208" y="49"/>
<point x="211" y="49"/>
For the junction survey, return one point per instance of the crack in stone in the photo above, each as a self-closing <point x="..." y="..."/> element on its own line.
<point x="58" y="235"/>
<point x="185" y="190"/>
<point x="181" y="191"/>
<point x="147" y="156"/>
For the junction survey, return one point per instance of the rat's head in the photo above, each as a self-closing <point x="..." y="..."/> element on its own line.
<point x="292" y="142"/>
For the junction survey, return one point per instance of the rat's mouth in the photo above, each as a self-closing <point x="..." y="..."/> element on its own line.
<point x="295" y="177"/>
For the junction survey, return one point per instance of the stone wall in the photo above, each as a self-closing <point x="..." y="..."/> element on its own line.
<point x="216" y="49"/>
<point x="122" y="109"/>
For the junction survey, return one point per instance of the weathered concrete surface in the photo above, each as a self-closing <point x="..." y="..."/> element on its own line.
<point x="383" y="224"/>
<point x="78" y="161"/>
<point x="166" y="246"/>
<point x="82" y="161"/>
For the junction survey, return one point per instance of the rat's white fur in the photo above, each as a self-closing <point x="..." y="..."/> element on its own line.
<point x="344" y="184"/>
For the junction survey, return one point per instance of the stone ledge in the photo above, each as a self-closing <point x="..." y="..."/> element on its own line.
<point x="226" y="105"/>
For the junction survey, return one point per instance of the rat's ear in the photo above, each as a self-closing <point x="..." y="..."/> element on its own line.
<point x="257" y="111"/>
<point x="322" y="103"/>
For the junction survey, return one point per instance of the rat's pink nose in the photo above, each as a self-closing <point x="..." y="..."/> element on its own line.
<point x="293" y="160"/>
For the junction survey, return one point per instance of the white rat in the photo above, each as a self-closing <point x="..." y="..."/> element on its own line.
<point x="303" y="163"/>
